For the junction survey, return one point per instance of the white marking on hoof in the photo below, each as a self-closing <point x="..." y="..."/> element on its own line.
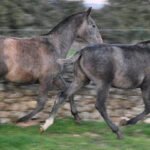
<point x="47" y="123"/>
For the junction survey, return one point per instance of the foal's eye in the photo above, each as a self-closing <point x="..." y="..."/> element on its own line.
<point x="93" y="26"/>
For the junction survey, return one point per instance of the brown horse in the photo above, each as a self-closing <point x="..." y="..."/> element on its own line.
<point x="26" y="60"/>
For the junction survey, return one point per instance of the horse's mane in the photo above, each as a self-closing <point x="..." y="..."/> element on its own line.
<point x="64" y="21"/>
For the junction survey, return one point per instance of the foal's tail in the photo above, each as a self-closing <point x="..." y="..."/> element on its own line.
<point x="70" y="60"/>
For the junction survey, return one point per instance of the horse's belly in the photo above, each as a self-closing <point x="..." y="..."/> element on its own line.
<point x="19" y="77"/>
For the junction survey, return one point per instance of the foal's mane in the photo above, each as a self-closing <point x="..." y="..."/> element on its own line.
<point x="63" y="22"/>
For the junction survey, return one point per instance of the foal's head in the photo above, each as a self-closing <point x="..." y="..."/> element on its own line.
<point x="88" y="30"/>
<point x="144" y="43"/>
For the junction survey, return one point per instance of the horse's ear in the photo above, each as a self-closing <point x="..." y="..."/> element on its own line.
<point x="88" y="11"/>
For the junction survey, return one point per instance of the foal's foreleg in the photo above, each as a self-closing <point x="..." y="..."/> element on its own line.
<point x="45" y="84"/>
<point x="102" y="94"/>
<point x="62" y="84"/>
<point x="146" y="98"/>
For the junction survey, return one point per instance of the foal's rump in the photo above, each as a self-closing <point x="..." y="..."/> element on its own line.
<point x="24" y="59"/>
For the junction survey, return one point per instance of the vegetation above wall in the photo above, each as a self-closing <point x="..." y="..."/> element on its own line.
<point x="119" y="21"/>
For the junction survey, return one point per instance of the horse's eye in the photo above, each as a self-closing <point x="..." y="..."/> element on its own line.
<point x="93" y="26"/>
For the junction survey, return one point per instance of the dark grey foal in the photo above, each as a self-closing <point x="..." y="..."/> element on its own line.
<point x="120" y="66"/>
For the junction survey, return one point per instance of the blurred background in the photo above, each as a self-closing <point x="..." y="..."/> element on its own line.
<point x="119" y="21"/>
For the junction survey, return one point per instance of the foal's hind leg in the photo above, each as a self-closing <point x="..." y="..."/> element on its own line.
<point x="62" y="98"/>
<point x="45" y="84"/>
<point x="74" y="111"/>
<point x="146" y="98"/>
<point x="62" y="84"/>
<point x="102" y="94"/>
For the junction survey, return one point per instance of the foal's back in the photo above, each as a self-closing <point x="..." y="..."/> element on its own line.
<point x="122" y="66"/>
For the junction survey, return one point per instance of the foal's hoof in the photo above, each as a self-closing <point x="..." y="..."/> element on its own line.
<point x="119" y="135"/>
<point x="77" y="119"/>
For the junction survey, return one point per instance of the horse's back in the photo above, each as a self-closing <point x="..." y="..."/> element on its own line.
<point x="25" y="59"/>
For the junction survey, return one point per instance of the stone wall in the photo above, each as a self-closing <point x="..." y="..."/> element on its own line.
<point x="16" y="101"/>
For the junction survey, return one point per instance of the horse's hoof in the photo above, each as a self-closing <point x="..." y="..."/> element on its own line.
<point x="19" y="120"/>
<point x="27" y="124"/>
<point x="42" y="130"/>
<point x="23" y="119"/>
<point x="124" y="121"/>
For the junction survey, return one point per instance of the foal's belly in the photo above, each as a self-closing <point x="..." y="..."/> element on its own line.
<point x="127" y="81"/>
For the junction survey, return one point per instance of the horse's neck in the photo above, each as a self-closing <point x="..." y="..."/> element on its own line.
<point x="62" y="39"/>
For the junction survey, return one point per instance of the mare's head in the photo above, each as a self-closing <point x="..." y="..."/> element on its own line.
<point x="81" y="25"/>
<point x="88" y="30"/>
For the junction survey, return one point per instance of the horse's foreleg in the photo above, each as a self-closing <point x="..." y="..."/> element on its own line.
<point x="102" y="94"/>
<point x="146" y="98"/>
<point x="45" y="84"/>
<point x="62" y="84"/>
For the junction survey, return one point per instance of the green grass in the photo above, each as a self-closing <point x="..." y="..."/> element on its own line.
<point x="71" y="53"/>
<point x="65" y="134"/>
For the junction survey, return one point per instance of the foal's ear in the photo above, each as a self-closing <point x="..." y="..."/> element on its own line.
<point x="88" y="11"/>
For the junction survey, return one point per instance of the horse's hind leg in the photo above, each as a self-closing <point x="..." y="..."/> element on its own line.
<point x="45" y="85"/>
<point x="62" y="84"/>
<point x="102" y="94"/>
<point x="146" y="98"/>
